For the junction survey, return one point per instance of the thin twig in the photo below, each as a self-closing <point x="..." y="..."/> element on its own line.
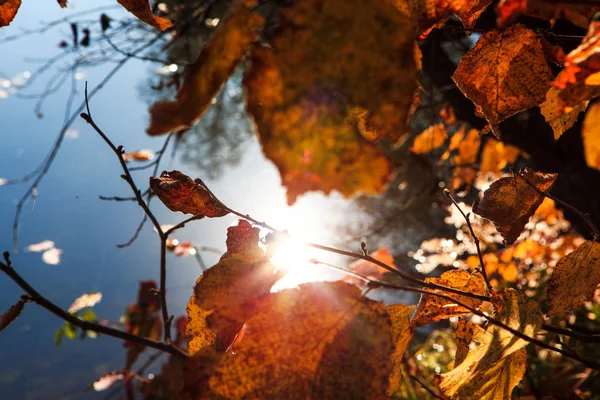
<point x="584" y="337"/>
<point x="424" y="386"/>
<point x="467" y="218"/>
<point x="84" y="325"/>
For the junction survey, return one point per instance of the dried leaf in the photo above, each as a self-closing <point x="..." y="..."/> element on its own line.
<point x="590" y="133"/>
<point x="10" y="315"/>
<point x="435" y="308"/>
<point x="578" y="81"/>
<point x="85" y="300"/>
<point x="41" y="246"/>
<point x="8" y="10"/>
<point x="141" y="9"/>
<point x="467" y="145"/>
<point x="574" y="279"/>
<point x="52" y="256"/>
<point x="321" y="341"/>
<point x="430" y="139"/>
<point x="181" y="193"/>
<point x="140" y="155"/>
<point x="223" y="294"/>
<point x="505" y="73"/>
<point x="496" y="360"/>
<point x="578" y="13"/>
<point x="205" y="76"/>
<point x="553" y="110"/>
<point x="142" y="319"/>
<point x="509" y="202"/>
<point x="402" y="335"/>
<point x="496" y="155"/>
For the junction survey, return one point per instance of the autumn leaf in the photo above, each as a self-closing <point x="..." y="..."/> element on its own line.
<point x="590" y="133"/>
<point x="496" y="155"/>
<point x="322" y="341"/>
<point x="574" y="279"/>
<point x="181" y="193"/>
<point x="430" y="139"/>
<point x="205" y="76"/>
<point x="140" y="155"/>
<point x="224" y="293"/>
<point x="141" y="9"/>
<point x="402" y="335"/>
<point x="509" y="202"/>
<point x="554" y="111"/>
<point x="578" y="13"/>
<point x="370" y="269"/>
<point x="467" y="145"/>
<point x="505" y="73"/>
<point x="8" y="10"/>
<point x="579" y="81"/>
<point x="10" y="315"/>
<point x="494" y="361"/>
<point x="434" y="308"/>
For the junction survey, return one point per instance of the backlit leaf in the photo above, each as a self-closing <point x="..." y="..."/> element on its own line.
<point x="577" y="12"/>
<point x="8" y="10"/>
<point x="11" y="314"/>
<point x="495" y="361"/>
<point x="85" y="300"/>
<point x="554" y="111"/>
<point x="320" y="341"/>
<point x="434" y="308"/>
<point x="574" y="279"/>
<point x="467" y="144"/>
<point x="509" y="202"/>
<point x="590" y="133"/>
<point x="141" y="9"/>
<point x="496" y="155"/>
<point x="402" y="335"/>
<point x="430" y="139"/>
<point x="140" y="155"/>
<point x="369" y="269"/>
<point x="579" y="81"/>
<point x="224" y="293"/>
<point x="505" y="73"/>
<point x="205" y="76"/>
<point x="181" y="193"/>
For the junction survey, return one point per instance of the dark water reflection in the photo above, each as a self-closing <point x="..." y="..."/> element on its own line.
<point x="221" y="149"/>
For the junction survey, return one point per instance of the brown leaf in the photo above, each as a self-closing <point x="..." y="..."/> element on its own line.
<point x="505" y="73"/>
<point x="509" y="202"/>
<point x="402" y="335"/>
<point x="10" y="315"/>
<point x="495" y="359"/>
<point x="578" y="13"/>
<point x="205" y="76"/>
<point x="435" y="308"/>
<point x="8" y="10"/>
<point x="590" y="133"/>
<point x="574" y="279"/>
<point x="322" y="341"/>
<point x="555" y="114"/>
<point x="141" y="9"/>
<point x="180" y="193"/>
<point x="430" y="139"/>
<point x="224" y="293"/>
<point x="579" y="81"/>
<point x="62" y="3"/>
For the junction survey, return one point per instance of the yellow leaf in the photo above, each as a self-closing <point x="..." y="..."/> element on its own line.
<point x="8" y="10"/>
<point x="435" y="308"/>
<point x="560" y="120"/>
<point x="205" y="76"/>
<point x="430" y="139"/>
<point x="574" y="279"/>
<point x="494" y="361"/>
<point x="505" y="73"/>
<point x="180" y="193"/>
<point x="320" y="341"/>
<point x="496" y="155"/>
<point x="509" y="202"/>
<point x="590" y="133"/>
<point x="402" y="335"/>
<point x="220" y="304"/>
<point x="141" y="9"/>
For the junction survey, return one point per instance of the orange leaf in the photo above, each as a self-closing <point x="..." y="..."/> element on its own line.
<point x="321" y="341"/>
<point x="369" y="269"/>
<point x="205" y="76"/>
<point x="555" y="114"/>
<point x="224" y="293"/>
<point x="579" y="14"/>
<point x="8" y="10"/>
<point x="574" y="279"/>
<point x="578" y="81"/>
<point x="590" y="133"/>
<point x="505" y="73"/>
<point x="430" y="139"/>
<point x="140" y="155"/>
<point x="402" y="335"/>
<point x="10" y="315"/>
<point x="180" y="193"/>
<point x="509" y="202"/>
<point x="496" y="155"/>
<point x="434" y="308"/>
<point x="141" y="9"/>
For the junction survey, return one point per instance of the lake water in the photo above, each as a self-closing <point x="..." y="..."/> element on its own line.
<point x="68" y="211"/>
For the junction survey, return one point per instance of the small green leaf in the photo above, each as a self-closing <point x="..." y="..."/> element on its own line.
<point x="70" y="331"/>
<point x="91" y="334"/>
<point x="89" y="315"/>
<point x="58" y="335"/>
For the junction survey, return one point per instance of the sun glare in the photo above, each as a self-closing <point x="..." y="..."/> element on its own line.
<point x="294" y="257"/>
